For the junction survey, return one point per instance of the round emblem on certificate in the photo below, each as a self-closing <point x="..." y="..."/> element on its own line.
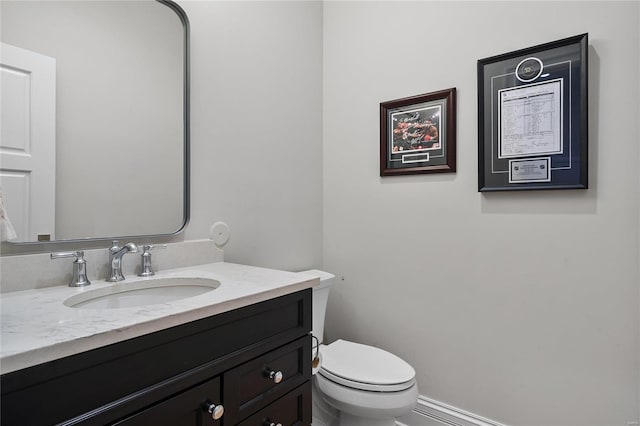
<point x="529" y="69"/>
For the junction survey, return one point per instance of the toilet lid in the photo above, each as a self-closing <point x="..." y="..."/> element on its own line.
<point x="365" y="367"/>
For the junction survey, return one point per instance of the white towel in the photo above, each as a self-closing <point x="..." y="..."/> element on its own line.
<point x="7" y="231"/>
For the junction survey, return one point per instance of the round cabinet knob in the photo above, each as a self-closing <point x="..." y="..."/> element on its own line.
<point x="216" y="411"/>
<point x="268" y="423"/>
<point x="276" y="376"/>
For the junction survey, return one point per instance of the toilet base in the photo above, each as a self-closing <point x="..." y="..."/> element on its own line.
<point x="337" y="405"/>
<point x="346" y="419"/>
<point x="323" y="413"/>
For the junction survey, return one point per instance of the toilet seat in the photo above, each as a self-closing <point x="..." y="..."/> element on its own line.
<point x="365" y="367"/>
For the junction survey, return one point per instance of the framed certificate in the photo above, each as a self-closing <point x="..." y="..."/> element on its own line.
<point x="532" y="118"/>
<point x="418" y="134"/>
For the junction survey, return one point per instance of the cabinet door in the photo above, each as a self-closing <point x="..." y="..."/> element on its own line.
<point x="185" y="409"/>
<point x="293" y="409"/>
<point x="257" y="383"/>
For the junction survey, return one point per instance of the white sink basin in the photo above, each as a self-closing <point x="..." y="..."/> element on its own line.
<point x="142" y="293"/>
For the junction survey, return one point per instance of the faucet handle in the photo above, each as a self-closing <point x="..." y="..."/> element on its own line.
<point x="147" y="247"/>
<point x="79" y="278"/>
<point x="145" y="267"/>
<point x="79" y="255"/>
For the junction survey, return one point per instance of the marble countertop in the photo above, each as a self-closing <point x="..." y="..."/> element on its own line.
<point x="37" y="327"/>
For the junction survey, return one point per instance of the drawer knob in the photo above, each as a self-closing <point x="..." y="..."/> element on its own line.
<point x="216" y="411"/>
<point x="269" y="423"/>
<point x="276" y="376"/>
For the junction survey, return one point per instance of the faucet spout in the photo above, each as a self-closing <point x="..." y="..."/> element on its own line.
<point x="127" y="248"/>
<point x="115" y="259"/>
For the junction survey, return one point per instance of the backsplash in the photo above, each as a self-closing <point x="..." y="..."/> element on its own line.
<point x="32" y="271"/>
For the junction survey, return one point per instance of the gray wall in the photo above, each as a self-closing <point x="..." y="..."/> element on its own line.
<point x="256" y="86"/>
<point x="521" y="307"/>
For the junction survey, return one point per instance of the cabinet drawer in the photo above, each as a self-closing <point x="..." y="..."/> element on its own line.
<point x="254" y="384"/>
<point x="185" y="409"/>
<point x="292" y="409"/>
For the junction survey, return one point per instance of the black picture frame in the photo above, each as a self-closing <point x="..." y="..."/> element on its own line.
<point x="418" y="134"/>
<point x="533" y="118"/>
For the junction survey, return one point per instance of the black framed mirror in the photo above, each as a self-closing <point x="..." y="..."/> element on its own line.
<point x="100" y="97"/>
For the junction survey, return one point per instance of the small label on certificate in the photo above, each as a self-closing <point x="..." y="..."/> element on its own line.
<point x="530" y="170"/>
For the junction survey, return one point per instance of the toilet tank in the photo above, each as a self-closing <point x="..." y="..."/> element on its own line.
<point x="320" y="297"/>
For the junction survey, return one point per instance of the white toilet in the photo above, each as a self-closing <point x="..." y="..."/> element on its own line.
<point x="355" y="384"/>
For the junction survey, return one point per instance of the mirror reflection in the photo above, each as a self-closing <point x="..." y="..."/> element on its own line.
<point x="93" y="119"/>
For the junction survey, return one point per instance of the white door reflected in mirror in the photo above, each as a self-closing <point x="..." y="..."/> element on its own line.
<point x="28" y="143"/>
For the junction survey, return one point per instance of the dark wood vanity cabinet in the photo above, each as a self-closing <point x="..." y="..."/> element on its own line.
<point x="254" y="361"/>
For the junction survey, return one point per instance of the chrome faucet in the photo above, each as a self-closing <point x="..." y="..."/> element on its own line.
<point x="115" y="259"/>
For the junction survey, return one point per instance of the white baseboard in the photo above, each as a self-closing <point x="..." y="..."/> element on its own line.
<point x="430" y="412"/>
